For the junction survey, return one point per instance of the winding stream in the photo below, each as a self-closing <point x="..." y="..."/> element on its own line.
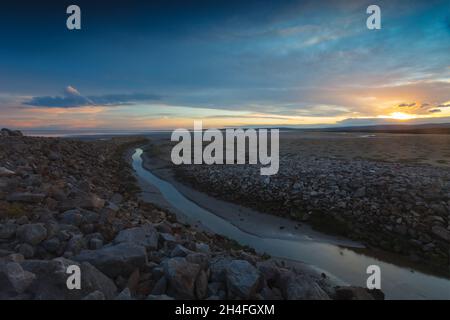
<point x="345" y="263"/>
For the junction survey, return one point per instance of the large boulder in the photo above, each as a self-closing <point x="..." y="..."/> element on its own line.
<point x="51" y="280"/>
<point x="181" y="276"/>
<point x="120" y="259"/>
<point x="243" y="279"/>
<point x="32" y="234"/>
<point x="145" y="235"/>
<point x="300" y="287"/>
<point x="218" y="267"/>
<point x="14" y="280"/>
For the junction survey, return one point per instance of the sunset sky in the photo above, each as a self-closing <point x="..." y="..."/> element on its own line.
<point x="158" y="65"/>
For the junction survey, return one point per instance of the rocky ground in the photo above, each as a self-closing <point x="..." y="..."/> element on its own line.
<point x="67" y="202"/>
<point x="398" y="207"/>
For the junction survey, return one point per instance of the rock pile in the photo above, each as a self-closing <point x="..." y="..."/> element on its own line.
<point x="66" y="202"/>
<point x="398" y="207"/>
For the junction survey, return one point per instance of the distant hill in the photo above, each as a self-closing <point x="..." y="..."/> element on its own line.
<point x="430" y="128"/>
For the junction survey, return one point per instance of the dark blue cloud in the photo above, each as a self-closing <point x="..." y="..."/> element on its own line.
<point x="73" y="99"/>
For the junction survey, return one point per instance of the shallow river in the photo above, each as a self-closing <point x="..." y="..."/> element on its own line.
<point x="346" y="264"/>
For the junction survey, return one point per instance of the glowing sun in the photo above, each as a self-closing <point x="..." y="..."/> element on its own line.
<point x="401" y="116"/>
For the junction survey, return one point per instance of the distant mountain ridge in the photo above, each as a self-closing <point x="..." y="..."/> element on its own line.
<point x="430" y="128"/>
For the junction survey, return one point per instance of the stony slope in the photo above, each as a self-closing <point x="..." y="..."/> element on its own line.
<point x="394" y="206"/>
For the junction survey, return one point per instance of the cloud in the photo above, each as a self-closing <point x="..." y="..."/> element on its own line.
<point x="71" y="91"/>
<point x="434" y="110"/>
<point x="409" y="105"/>
<point x="72" y="98"/>
<point x="443" y="105"/>
<point x="123" y="99"/>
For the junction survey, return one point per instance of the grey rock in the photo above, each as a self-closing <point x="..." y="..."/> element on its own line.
<point x="269" y="270"/>
<point x="145" y="235"/>
<point x="82" y="200"/>
<point x="124" y="295"/>
<point x="90" y="217"/>
<point x="63" y="235"/>
<point x="96" y="295"/>
<point x="32" y="233"/>
<point x="242" y="278"/>
<point x="180" y="251"/>
<point x="201" y="285"/>
<point x="218" y="268"/>
<point x="357" y="293"/>
<point x="15" y="257"/>
<point x="87" y="228"/>
<point x="112" y="206"/>
<point x="76" y="244"/>
<point x="95" y="244"/>
<point x="361" y="192"/>
<point x="52" y="245"/>
<point x="121" y="259"/>
<point x="201" y="259"/>
<point x="157" y="272"/>
<point x="73" y="217"/>
<point x="53" y="156"/>
<point x="214" y="288"/>
<point x="26" y="250"/>
<point x="300" y="287"/>
<point x="181" y="276"/>
<point x="14" y="279"/>
<point x="51" y="278"/>
<point x="52" y="229"/>
<point x="160" y="287"/>
<point x="167" y="237"/>
<point x="22" y="220"/>
<point x="202" y="247"/>
<point x="116" y="198"/>
<point x="271" y="294"/>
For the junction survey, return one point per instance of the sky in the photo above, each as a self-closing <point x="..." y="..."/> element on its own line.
<point x="142" y="65"/>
